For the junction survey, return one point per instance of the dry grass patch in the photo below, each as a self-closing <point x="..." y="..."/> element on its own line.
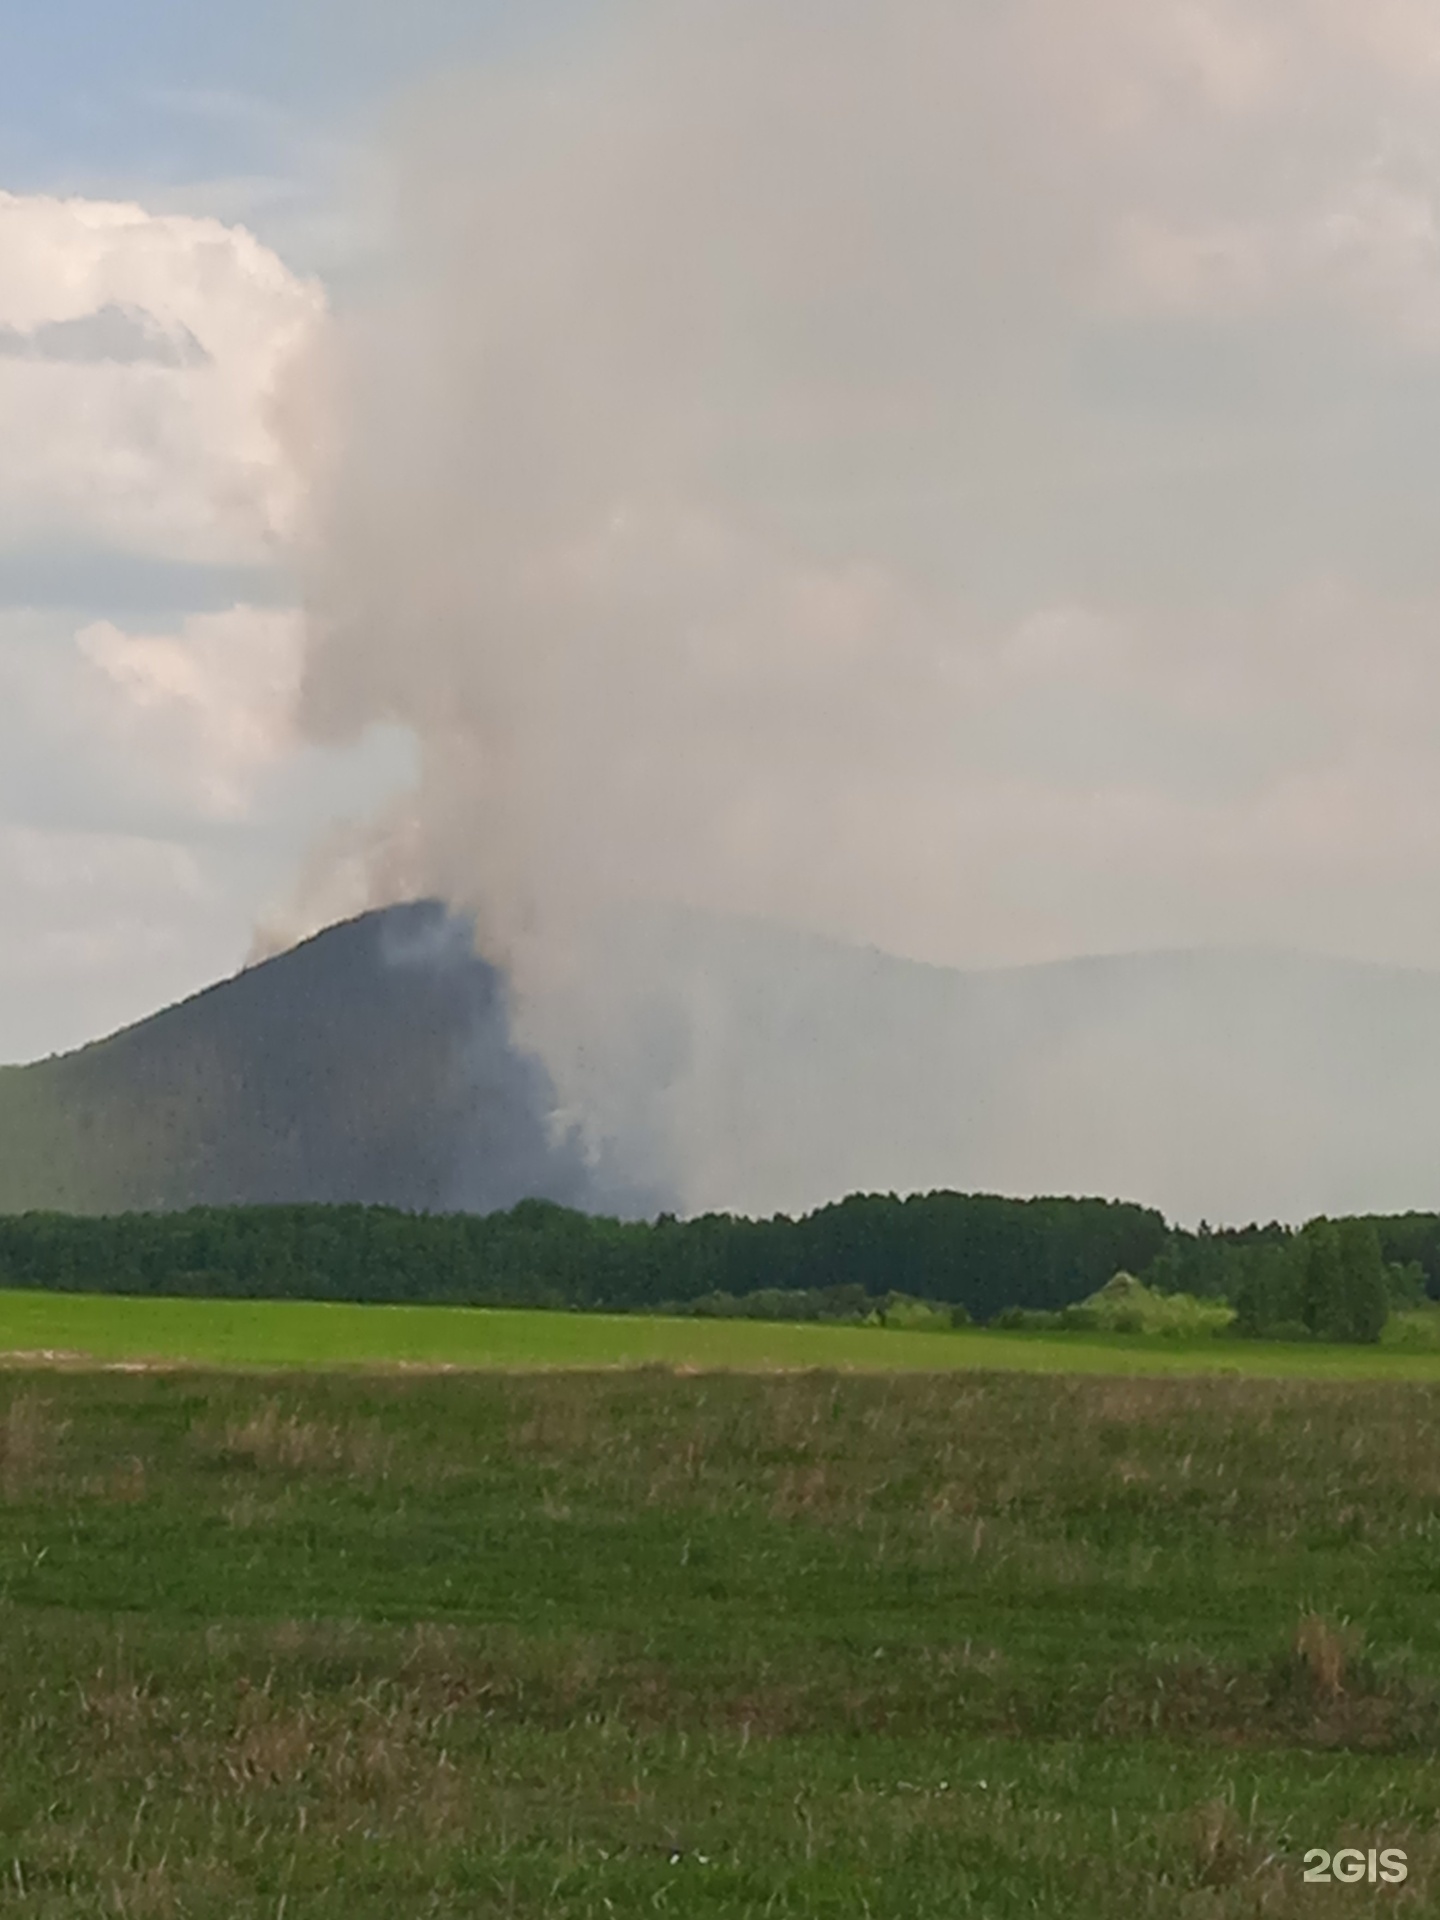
<point x="563" y="1421"/>
<point x="30" y="1442"/>
<point x="249" y="1513"/>
<point x="276" y="1441"/>
<point x="1223" y="1850"/>
<point x="124" y="1483"/>
<point x="807" y="1492"/>
<point x="1323" y="1651"/>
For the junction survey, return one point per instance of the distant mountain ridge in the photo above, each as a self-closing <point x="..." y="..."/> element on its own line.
<point x="737" y="1065"/>
<point x="1226" y="1084"/>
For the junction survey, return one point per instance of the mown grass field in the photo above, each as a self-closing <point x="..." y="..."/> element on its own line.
<point x="306" y="1334"/>
<point x="571" y="1643"/>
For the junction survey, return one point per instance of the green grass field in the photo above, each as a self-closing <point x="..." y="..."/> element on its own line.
<point x="292" y="1333"/>
<point x="298" y="1646"/>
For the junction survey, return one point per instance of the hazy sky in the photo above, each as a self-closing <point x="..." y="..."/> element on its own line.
<point x="952" y="476"/>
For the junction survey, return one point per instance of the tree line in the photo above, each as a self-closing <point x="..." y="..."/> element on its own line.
<point x="981" y="1253"/>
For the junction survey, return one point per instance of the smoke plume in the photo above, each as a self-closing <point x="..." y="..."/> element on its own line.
<point x="819" y="464"/>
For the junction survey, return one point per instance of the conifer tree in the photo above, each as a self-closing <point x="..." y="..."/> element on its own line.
<point x="1325" y="1305"/>
<point x="1366" y="1292"/>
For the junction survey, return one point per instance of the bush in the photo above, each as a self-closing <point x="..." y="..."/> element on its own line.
<point x="1126" y="1305"/>
<point x="1026" y="1320"/>
<point x="920" y="1316"/>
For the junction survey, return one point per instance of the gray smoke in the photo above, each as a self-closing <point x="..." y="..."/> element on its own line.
<point x="824" y="464"/>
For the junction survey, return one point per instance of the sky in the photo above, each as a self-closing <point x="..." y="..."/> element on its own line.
<point x="956" y="478"/>
<point x="153" y="792"/>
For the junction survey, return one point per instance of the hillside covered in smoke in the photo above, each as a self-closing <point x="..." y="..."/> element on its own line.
<point x="735" y="1065"/>
<point x="759" y="1068"/>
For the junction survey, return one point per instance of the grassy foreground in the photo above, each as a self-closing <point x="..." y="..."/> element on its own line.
<point x="298" y="1333"/>
<point x="596" y="1644"/>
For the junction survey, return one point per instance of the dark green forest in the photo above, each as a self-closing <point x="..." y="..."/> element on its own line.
<point x="981" y="1253"/>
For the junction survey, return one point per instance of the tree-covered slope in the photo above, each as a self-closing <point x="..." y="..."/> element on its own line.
<point x="373" y="1063"/>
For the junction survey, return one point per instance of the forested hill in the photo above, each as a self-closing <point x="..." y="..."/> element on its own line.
<point x="373" y="1064"/>
<point x="979" y="1251"/>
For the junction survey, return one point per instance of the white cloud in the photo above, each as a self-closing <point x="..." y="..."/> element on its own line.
<point x="153" y="792"/>
<point x="68" y="865"/>
<point x="206" y="713"/>
<point x="154" y="800"/>
<point x="1380" y="240"/>
<point x="143" y="362"/>
<point x="100" y="928"/>
<point x="94" y="925"/>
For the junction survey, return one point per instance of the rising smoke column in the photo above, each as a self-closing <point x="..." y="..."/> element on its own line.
<point x="729" y="496"/>
<point x="589" y="533"/>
